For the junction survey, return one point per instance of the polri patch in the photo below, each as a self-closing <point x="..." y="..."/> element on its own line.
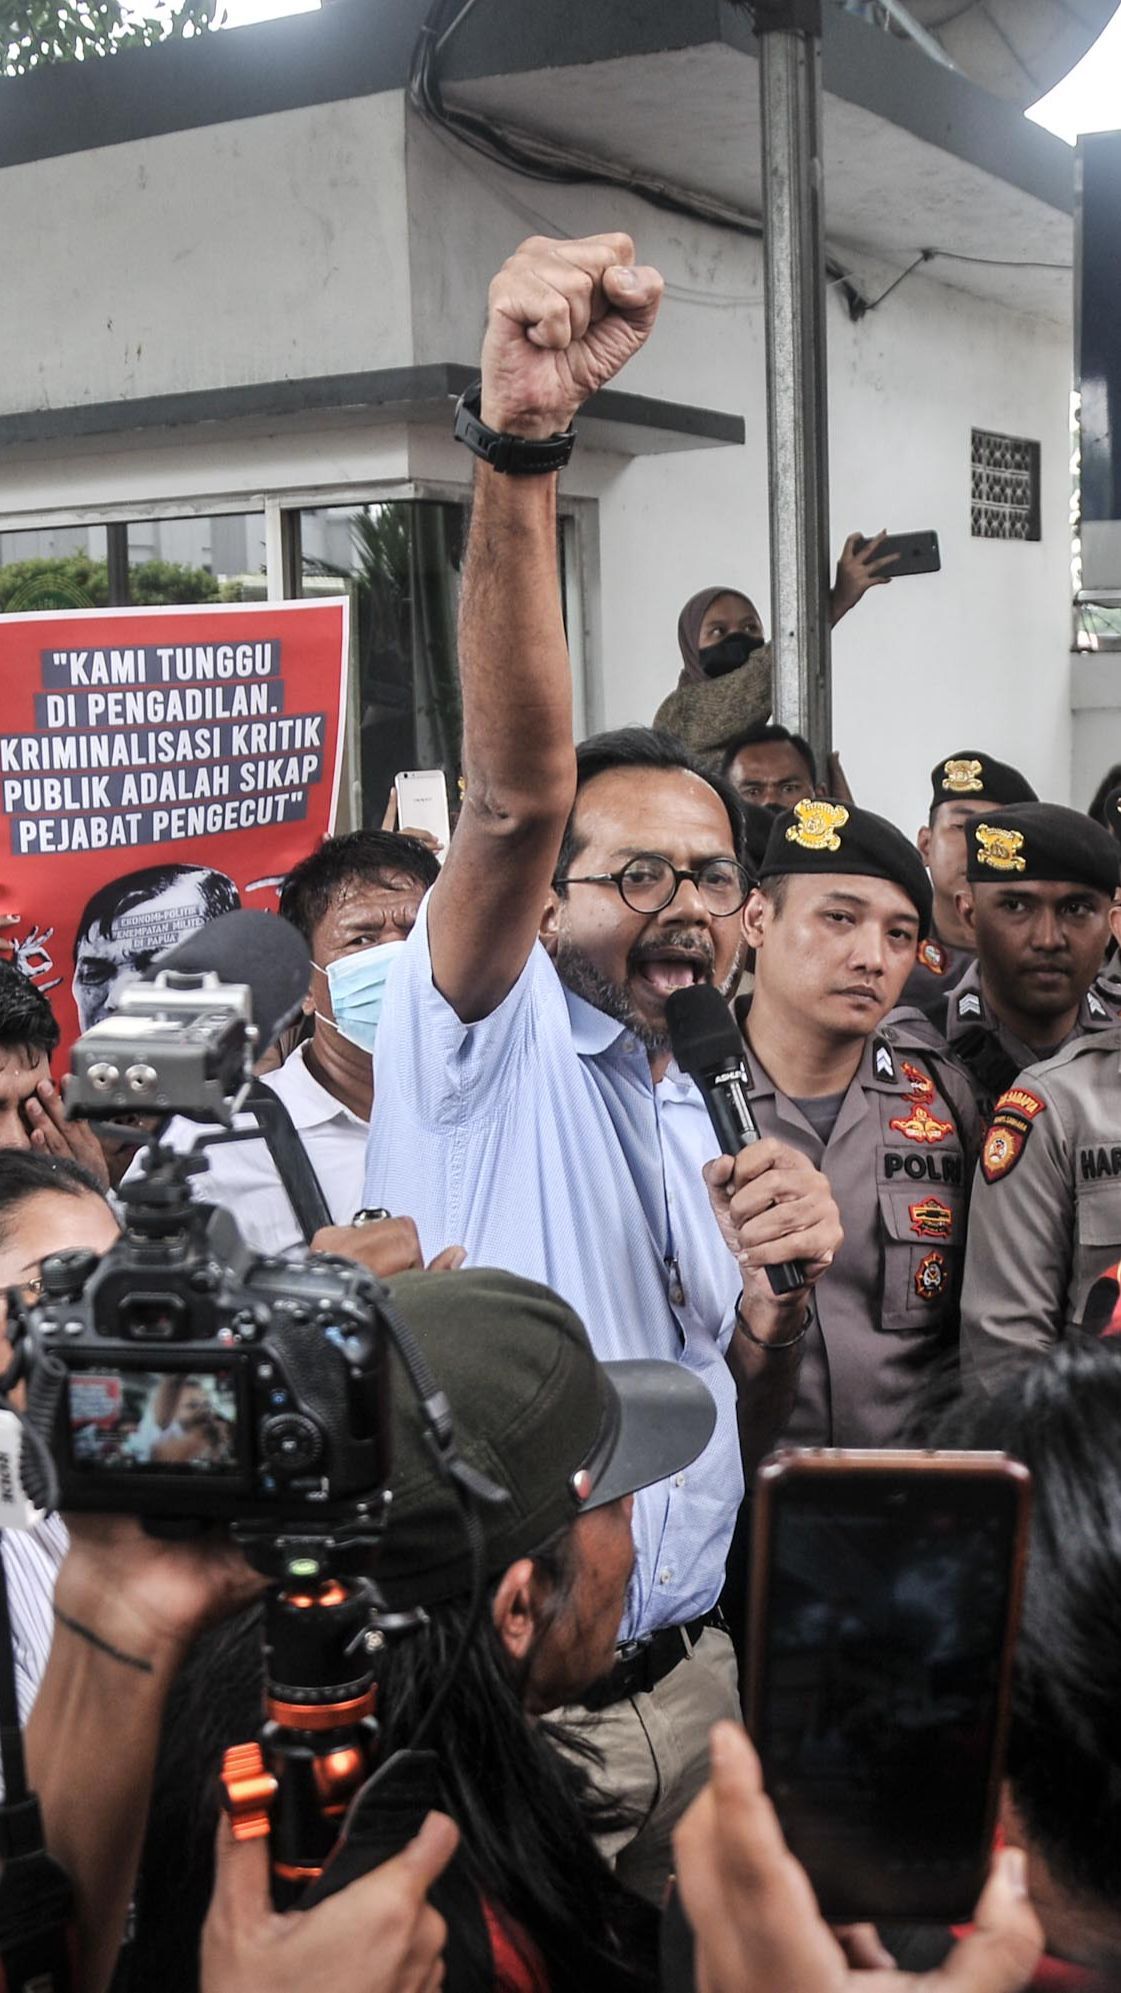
<point x="931" y="1219"/>
<point x="1012" y="1122"/>
<point x="921" y="1126"/>
<point x="931" y="1277"/>
<point x="931" y="955"/>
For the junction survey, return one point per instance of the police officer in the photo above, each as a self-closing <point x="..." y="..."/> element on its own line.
<point x="963" y="786"/>
<point x="1039" y="886"/>
<point x="842" y="901"/>
<point x="1046" y="1213"/>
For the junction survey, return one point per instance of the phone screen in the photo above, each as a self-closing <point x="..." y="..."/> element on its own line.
<point x="878" y="1715"/>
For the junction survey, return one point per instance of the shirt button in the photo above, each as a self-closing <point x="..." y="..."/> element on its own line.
<point x="679" y="1480"/>
<point x="665" y="1576"/>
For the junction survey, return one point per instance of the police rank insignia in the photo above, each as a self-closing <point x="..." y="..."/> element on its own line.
<point x="931" y="1277"/>
<point x="931" y="1219"/>
<point x="931" y="955"/>
<point x="817" y="825"/>
<point x="920" y="1125"/>
<point x="962" y="778"/>
<point x="1011" y="1125"/>
<point x="999" y="849"/>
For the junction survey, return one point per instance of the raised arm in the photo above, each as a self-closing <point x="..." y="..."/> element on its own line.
<point x="563" y="318"/>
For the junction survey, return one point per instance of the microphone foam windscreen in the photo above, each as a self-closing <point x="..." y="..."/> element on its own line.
<point x="702" y="1031"/>
<point x="248" y="946"/>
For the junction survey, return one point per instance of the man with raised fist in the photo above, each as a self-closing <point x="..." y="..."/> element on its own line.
<point x="526" y="1095"/>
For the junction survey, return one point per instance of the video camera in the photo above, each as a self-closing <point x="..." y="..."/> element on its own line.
<point x="183" y="1377"/>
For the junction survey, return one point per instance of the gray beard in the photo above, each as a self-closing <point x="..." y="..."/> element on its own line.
<point x="581" y="976"/>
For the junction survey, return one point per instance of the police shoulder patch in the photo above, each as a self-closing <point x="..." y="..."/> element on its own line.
<point x="931" y="955"/>
<point x="1013" y="1118"/>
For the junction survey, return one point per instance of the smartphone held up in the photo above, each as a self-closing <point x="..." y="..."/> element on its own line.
<point x="422" y="805"/>
<point x="885" y="1604"/>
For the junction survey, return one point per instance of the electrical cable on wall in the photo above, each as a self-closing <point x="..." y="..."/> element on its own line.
<point x="540" y="159"/>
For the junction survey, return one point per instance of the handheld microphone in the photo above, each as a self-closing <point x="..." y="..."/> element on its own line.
<point x="708" y="1046"/>
<point x="253" y="947"/>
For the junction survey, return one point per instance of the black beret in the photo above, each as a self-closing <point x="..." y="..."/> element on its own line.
<point x="1041" y="841"/>
<point x="823" y="837"/>
<point x="1111" y="814"/>
<point x="973" y="776"/>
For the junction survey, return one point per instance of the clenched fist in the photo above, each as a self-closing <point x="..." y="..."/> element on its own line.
<point x="563" y="318"/>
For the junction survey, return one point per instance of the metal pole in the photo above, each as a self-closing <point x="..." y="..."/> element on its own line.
<point x="789" y="33"/>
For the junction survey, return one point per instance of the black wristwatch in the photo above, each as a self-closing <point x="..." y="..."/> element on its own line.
<point x="522" y="456"/>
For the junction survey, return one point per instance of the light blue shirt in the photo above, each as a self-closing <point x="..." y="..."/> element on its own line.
<point x="536" y="1139"/>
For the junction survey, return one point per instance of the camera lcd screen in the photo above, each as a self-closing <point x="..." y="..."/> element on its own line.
<point x="154" y="1421"/>
<point x="887" y="1615"/>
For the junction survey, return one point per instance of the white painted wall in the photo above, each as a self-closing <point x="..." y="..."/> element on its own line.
<point x="299" y="244"/>
<point x="241" y="252"/>
<point x="976" y="656"/>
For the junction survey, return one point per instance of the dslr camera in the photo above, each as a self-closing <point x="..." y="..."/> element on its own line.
<point x="181" y="1377"/>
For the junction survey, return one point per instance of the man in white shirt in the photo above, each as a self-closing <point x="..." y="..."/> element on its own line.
<point x="354" y="899"/>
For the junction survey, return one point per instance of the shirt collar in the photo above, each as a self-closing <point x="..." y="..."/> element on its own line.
<point x="593" y="1030"/>
<point x="309" y="1104"/>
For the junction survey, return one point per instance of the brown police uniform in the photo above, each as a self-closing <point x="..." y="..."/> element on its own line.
<point x="899" y="1161"/>
<point x="991" y="1054"/>
<point x="1046" y="1211"/>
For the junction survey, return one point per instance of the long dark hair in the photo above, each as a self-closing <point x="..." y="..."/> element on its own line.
<point x="525" y="1811"/>
<point x="525" y="1808"/>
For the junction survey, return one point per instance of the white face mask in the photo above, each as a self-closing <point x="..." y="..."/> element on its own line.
<point x="357" y="986"/>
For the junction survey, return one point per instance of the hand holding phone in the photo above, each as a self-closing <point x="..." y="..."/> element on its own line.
<point x="884" y="1609"/>
<point x="422" y="808"/>
<point x="898" y="554"/>
<point x="757" y="1927"/>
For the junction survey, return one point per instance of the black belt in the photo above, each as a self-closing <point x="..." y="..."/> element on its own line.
<point x="642" y="1664"/>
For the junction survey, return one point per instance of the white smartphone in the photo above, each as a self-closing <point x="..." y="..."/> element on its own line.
<point x="422" y="804"/>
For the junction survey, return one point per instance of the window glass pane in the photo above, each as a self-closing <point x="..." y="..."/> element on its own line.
<point x="402" y="561"/>
<point x="56" y="567"/>
<point x="197" y="560"/>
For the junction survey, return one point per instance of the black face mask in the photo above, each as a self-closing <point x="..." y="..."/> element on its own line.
<point x="729" y="653"/>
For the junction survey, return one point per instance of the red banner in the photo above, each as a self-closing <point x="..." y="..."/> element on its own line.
<point x="158" y="767"/>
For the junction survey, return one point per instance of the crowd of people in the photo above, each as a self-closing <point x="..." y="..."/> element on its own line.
<point x="481" y="1106"/>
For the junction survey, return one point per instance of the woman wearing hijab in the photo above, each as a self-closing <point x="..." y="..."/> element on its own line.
<point x="725" y="683"/>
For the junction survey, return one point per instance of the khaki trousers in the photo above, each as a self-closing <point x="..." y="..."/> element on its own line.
<point x="655" y="1756"/>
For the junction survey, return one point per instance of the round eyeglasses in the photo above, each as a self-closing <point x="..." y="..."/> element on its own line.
<point x="649" y="882"/>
